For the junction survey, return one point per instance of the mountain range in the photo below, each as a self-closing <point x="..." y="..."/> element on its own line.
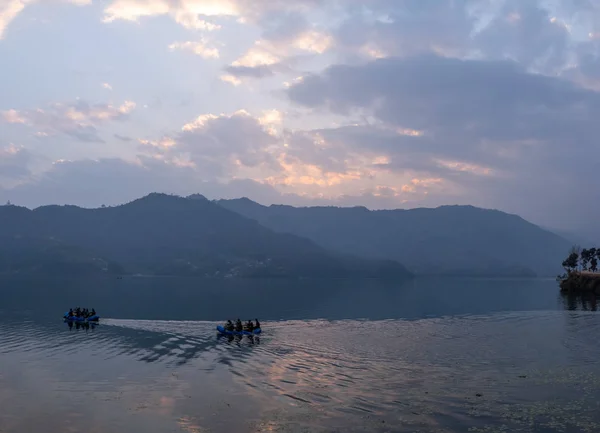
<point x="163" y="234"/>
<point x="167" y="235"/>
<point x="448" y="240"/>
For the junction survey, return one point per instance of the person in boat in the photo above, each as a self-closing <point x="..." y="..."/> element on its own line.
<point x="229" y="326"/>
<point x="257" y="325"/>
<point x="238" y="325"/>
<point x="249" y="326"/>
<point x="70" y="313"/>
<point x="93" y="313"/>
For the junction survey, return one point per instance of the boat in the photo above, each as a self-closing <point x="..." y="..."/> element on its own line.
<point x="93" y="318"/>
<point x="221" y="330"/>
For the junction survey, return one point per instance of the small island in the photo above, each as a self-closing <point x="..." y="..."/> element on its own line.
<point x="581" y="271"/>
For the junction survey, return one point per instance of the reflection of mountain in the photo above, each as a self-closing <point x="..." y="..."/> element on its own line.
<point x="166" y="235"/>
<point x="448" y="240"/>
<point x="274" y="299"/>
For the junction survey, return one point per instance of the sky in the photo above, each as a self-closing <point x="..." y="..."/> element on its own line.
<point x="378" y="103"/>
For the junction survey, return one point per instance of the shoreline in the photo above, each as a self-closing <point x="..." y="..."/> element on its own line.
<point x="581" y="282"/>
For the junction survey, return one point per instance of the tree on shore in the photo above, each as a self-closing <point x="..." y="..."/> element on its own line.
<point x="594" y="263"/>
<point x="579" y="259"/>
<point x="571" y="263"/>
<point x="585" y="259"/>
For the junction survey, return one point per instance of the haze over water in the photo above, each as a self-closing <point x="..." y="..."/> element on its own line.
<point x="430" y="355"/>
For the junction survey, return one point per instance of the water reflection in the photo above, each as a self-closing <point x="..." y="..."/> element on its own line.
<point x="86" y="326"/>
<point x="440" y="374"/>
<point x="438" y="358"/>
<point x="579" y="302"/>
<point x="194" y="299"/>
<point x="237" y="339"/>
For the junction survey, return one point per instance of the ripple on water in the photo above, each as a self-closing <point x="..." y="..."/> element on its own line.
<point x="522" y="370"/>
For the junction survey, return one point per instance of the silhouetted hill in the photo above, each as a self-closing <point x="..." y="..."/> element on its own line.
<point x="448" y="240"/>
<point x="167" y="235"/>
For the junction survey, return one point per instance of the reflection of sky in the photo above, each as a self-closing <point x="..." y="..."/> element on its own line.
<point x="152" y="375"/>
<point x="104" y="381"/>
<point x="49" y="396"/>
<point x="316" y="374"/>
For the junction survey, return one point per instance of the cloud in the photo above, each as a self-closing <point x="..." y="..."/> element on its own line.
<point x="541" y="36"/>
<point x="113" y="181"/>
<point x="199" y="48"/>
<point x="491" y="128"/>
<point x="10" y="9"/>
<point x="8" y="12"/>
<point x="286" y="31"/>
<point x="188" y="14"/>
<point x="409" y="27"/>
<point x="96" y="182"/>
<point x="194" y="14"/>
<point x="14" y="161"/>
<point x="536" y="34"/>
<point x="426" y="102"/>
<point x="219" y="145"/>
<point x="260" y="71"/>
<point x="78" y="119"/>
<point x="480" y="99"/>
<point x="260" y="61"/>
<point x="231" y="79"/>
<point x="586" y="67"/>
<point x="122" y="137"/>
<point x="268" y="57"/>
<point x="12" y="116"/>
<point x="527" y="33"/>
<point x="313" y="164"/>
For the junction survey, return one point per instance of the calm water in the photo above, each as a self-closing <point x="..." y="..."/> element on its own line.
<point x="427" y="356"/>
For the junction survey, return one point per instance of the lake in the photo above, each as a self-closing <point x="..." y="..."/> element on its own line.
<point x="429" y="355"/>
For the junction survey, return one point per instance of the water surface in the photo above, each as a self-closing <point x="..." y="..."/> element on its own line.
<point x="431" y="355"/>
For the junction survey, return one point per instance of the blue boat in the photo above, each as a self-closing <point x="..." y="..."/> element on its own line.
<point x="221" y="330"/>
